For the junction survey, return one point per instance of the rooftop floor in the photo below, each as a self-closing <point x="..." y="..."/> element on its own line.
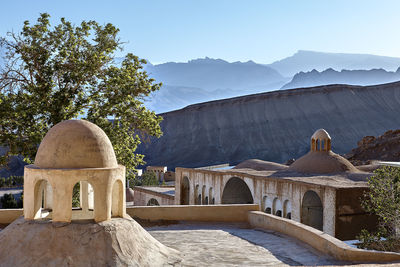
<point x="213" y="244"/>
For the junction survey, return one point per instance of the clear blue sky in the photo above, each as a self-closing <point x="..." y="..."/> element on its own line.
<point x="263" y="31"/>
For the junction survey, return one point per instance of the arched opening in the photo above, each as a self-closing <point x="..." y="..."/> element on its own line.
<point x="199" y="200"/>
<point x="82" y="201"/>
<point x="287" y="209"/>
<point x="312" y="210"/>
<point x="277" y="207"/>
<point x="236" y="191"/>
<point x="153" y="202"/>
<point x="43" y="199"/>
<point x="185" y="191"/>
<point x="210" y="196"/>
<point x="268" y="210"/>
<point x="264" y="203"/>
<point x="117" y="198"/>
<point x="317" y="145"/>
<point x="205" y="201"/>
<point x="196" y="195"/>
<point x="203" y="195"/>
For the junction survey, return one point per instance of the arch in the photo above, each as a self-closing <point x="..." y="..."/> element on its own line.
<point x="117" y="199"/>
<point x="264" y="203"/>
<point x="153" y="202"/>
<point x="287" y="209"/>
<point x="312" y="210"/>
<point x="268" y="210"/>
<point x="236" y="191"/>
<point x="82" y="201"/>
<point x="196" y="194"/>
<point x="39" y="195"/>
<point x="210" y="196"/>
<point x="205" y="201"/>
<point x="185" y="191"/>
<point x="277" y="207"/>
<point x="203" y="195"/>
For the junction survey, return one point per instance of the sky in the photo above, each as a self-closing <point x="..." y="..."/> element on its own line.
<point x="263" y="31"/>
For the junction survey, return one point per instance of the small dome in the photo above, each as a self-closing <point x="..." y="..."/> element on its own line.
<point x="321" y="134"/>
<point x="75" y="144"/>
<point x="329" y="162"/>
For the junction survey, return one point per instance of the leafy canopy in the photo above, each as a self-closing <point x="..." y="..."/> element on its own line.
<point x="63" y="72"/>
<point x="383" y="199"/>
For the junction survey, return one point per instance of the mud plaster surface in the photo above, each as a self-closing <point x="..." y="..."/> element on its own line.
<point x="236" y="245"/>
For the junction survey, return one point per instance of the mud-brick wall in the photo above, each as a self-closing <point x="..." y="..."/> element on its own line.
<point x="350" y="216"/>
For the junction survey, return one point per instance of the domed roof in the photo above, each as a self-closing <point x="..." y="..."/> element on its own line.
<point x="325" y="162"/>
<point x="321" y="134"/>
<point x="75" y="144"/>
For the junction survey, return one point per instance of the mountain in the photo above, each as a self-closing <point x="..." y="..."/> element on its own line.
<point x="212" y="74"/>
<point x="309" y="60"/>
<point x="353" y="77"/>
<point x="273" y="126"/>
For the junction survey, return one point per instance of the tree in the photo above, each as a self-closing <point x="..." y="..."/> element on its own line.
<point x="58" y="73"/>
<point x="383" y="200"/>
<point x="149" y="178"/>
<point x="8" y="201"/>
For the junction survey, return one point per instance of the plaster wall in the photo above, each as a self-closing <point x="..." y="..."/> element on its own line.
<point x="206" y="213"/>
<point x="142" y="197"/>
<point x="267" y="192"/>
<point x="321" y="241"/>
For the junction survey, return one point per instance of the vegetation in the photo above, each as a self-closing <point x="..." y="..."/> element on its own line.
<point x="12" y="181"/>
<point x="383" y="200"/>
<point x="147" y="179"/>
<point x="63" y="72"/>
<point x="9" y="202"/>
<point x="76" y="200"/>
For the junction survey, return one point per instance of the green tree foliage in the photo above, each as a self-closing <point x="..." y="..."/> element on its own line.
<point x="76" y="200"/>
<point x="8" y="202"/>
<point x="63" y="72"/>
<point x="383" y="200"/>
<point x="149" y="178"/>
<point x="12" y="181"/>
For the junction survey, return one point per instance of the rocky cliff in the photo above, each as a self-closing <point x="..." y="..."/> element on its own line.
<point x="273" y="126"/>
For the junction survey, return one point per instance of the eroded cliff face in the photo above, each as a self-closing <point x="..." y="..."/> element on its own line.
<point x="273" y="126"/>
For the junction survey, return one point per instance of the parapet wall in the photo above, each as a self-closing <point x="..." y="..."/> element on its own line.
<point x="7" y="216"/>
<point x="204" y="213"/>
<point x="319" y="240"/>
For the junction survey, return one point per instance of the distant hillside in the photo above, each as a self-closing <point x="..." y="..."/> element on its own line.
<point x="212" y="74"/>
<point x="309" y="60"/>
<point x="352" y="77"/>
<point x="274" y="126"/>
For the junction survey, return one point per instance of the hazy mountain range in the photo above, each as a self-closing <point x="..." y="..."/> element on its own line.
<point x="208" y="79"/>
<point x="351" y="77"/>
<point x="309" y="60"/>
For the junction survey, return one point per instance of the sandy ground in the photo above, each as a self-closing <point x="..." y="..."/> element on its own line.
<point x="236" y="245"/>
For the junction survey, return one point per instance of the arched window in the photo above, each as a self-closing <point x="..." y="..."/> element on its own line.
<point x="311" y="210"/>
<point x="287" y="209"/>
<point x="236" y="191"/>
<point x="152" y="202"/>
<point x="185" y="191"/>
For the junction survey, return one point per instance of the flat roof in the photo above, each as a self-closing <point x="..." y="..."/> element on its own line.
<point x="235" y="244"/>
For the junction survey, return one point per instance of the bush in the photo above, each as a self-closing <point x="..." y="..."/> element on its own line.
<point x="8" y="202"/>
<point x="383" y="200"/>
<point x="11" y="181"/>
<point x="149" y="178"/>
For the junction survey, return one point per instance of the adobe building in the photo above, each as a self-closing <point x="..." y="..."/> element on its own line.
<point x="320" y="189"/>
<point x="158" y="170"/>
